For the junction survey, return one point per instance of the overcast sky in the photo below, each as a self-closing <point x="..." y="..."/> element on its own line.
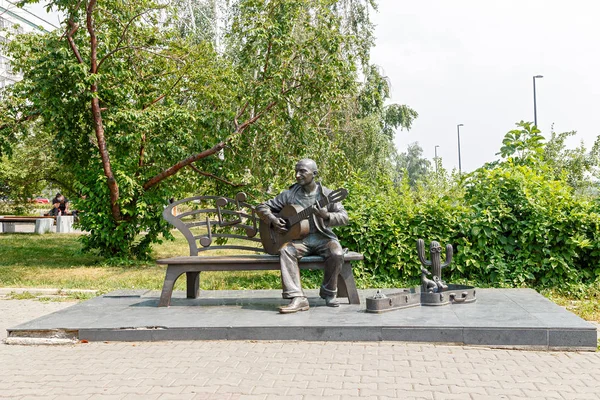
<point x="473" y="62"/>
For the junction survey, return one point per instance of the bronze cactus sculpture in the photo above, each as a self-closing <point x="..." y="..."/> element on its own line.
<point x="433" y="292"/>
<point x="435" y="284"/>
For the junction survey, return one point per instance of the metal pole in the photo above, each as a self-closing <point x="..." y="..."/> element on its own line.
<point x="534" y="105"/>
<point x="435" y="158"/>
<point x="534" y="100"/>
<point x="458" y="133"/>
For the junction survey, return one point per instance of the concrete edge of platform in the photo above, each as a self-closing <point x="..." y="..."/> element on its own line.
<point x="507" y="338"/>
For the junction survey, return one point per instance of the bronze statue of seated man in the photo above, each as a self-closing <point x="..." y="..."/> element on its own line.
<point x="320" y="239"/>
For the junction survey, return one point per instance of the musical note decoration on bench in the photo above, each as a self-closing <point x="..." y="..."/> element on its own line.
<point x="223" y="218"/>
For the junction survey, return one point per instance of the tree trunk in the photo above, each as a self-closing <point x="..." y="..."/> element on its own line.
<point x="113" y="187"/>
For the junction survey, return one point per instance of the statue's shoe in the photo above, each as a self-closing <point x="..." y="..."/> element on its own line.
<point x="297" y="304"/>
<point x="331" y="301"/>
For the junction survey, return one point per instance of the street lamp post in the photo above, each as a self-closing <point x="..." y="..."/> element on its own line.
<point x="435" y="158"/>
<point x="534" y="100"/>
<point x="458" y="132"/>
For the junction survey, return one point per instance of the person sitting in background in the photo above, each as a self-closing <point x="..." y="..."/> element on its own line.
<point x="61" y="205"/>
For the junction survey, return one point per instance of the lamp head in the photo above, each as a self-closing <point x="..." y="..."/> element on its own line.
<point x="538" y="76"/>
<point x="460" y="125"/>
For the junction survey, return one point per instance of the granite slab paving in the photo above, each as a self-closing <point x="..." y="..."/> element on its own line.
<point x="513" y="318"/>
<point x="272" y="370"/>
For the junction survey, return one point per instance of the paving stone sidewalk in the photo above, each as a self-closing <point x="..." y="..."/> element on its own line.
<point x="283" y="370"/>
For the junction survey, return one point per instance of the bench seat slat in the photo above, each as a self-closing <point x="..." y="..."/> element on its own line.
<point x="246" y="259"/>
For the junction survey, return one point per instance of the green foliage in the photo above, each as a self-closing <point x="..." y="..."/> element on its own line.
<point x="411" y="164"/>
<point x="31" y="167"/>
<point x="525" y="145"/>
<point x="367" y="126"/>
<point x="575" y="165"/>
<point x="512" y="223"/>
<point x="124" y="238"/>
<point x="386" y="220"/>
<point x="130" y="102"/>
<point x="527" y="228"/>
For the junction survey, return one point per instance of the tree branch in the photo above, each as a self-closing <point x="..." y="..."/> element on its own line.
<point x="239" y="114"/>
<point x="20" y="120"/>
<point x="159" y="98"/>
<point x="215" y="149"/>
<point x="72" y="44"/>
<point x="192" y="166"/>
<point x="267" y="59"/>
<point x="252" y="120"/>
<point x="175" y="168"/>
<point x="122" y="38"/>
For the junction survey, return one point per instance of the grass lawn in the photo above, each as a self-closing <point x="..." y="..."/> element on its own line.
<point x="56" y="261"/>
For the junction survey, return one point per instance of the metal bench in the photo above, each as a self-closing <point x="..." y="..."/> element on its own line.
<point x="232" y="225"/>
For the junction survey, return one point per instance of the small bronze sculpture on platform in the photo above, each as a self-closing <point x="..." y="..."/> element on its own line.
<point x="432" y="292"/>
<point x="435" y="284"/>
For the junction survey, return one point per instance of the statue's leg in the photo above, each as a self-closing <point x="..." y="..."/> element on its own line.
<point x="332" y="252"/>
<point x="289" y="255"/>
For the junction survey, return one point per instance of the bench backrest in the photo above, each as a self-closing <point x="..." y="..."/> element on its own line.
<point x="213" y="220"/>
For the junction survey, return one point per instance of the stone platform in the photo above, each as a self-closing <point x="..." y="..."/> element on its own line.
<point x="512" y="318"/>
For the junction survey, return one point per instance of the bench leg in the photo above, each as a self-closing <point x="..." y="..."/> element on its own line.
<point x="193" y="284"/>
<point x="347" y="285"/>
<point x="167" y="291"/>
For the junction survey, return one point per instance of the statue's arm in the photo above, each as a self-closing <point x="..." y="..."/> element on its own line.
<point x="337" y="215"/>
<point x="267" y="210"/>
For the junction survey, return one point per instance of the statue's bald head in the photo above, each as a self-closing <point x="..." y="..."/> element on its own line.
<point x="308" y="163"/>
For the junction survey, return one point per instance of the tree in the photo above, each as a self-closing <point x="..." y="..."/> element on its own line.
<point x="412" y="164"/>
<point x="578" y="165"/>
<point x="140" y="111"/>
<point x="368" y="125"/>
<point x="31" y="167"/>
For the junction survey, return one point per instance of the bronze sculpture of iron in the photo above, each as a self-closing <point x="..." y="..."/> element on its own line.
<point x="433" y="290"/>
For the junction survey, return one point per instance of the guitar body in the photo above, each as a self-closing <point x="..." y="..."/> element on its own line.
<point x="296" y="222"/>
<point x="272" y="240"/>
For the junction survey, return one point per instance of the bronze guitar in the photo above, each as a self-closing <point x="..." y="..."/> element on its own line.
<point x="296" y="222"/>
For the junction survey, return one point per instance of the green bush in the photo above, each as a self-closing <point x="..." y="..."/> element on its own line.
<point x="526" y="228"/>
<point x="509" y="224"/>
<point x="386" y="221"/>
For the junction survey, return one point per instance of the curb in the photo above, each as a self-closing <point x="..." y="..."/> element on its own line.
<point x="46" y="291"/>
<point x="23" y="341"/>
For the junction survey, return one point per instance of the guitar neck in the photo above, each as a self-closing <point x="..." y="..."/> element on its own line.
<point x="307" y="212"/>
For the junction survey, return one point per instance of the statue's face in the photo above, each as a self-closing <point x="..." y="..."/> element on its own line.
<point x="305" y="173"/>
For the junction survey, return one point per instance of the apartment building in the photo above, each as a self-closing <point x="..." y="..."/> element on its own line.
<point x="17" y="20"/>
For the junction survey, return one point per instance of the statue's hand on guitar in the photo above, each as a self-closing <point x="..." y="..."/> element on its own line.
<point x="278" y="224"/>
<point x="321" y="212"/>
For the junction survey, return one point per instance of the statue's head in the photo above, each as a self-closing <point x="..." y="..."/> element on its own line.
<point x="306" y="171"/>
<point x="308" y="163"/>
